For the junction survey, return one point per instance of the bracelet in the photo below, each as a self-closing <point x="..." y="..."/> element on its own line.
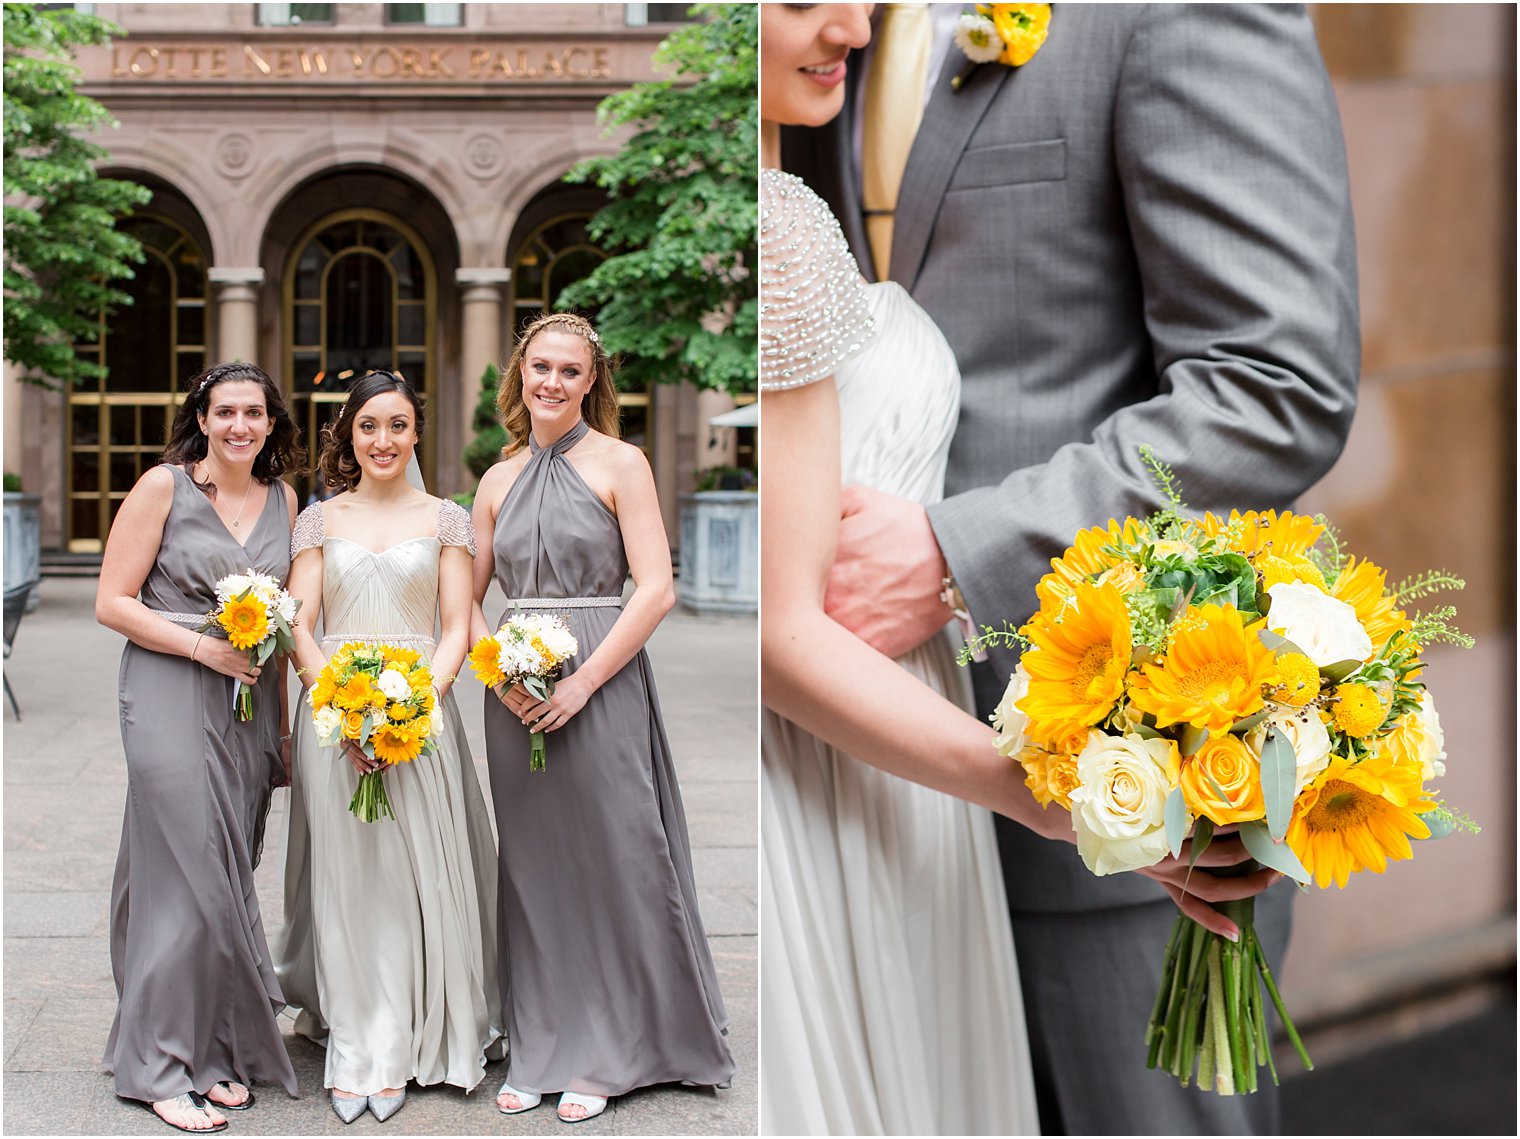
<point x="285" y="737"/>
<point x="196" y="647"/>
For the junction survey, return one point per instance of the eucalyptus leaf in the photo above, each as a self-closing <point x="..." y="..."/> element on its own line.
<point x="1175" y="816"/>
<point x="371" y="722"/>
<point x="266" y="650"/>
<point x="1203" y="834"/>
<point x="1440" y="825"/>
<point x="1279" y="769"/>
<point x="1276" y="641"/>
<point x="1144" y="731"/>
<point x="1241" y="726"/>
<point x="535" y="685"/>
<point x="1192" y="739"/>
<point x="1337" y="672"/>
<point x="1278" y="856"/>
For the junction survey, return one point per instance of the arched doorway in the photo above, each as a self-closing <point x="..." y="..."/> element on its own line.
<point x="118" y="425"/>
<point x="360" y="293"/>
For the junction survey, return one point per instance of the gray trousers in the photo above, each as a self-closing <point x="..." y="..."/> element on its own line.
<point x="1089" y="980"/>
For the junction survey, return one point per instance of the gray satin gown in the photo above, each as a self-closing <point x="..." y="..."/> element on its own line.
<point x="607" y="981"/>
<point x="196" y="990"/>
<point x="390" y="946"/>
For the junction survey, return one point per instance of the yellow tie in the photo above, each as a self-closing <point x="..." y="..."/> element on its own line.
<point x="894" y="106"/>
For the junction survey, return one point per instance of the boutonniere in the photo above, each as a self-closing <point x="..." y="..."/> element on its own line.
<point x="1000" y="33"/>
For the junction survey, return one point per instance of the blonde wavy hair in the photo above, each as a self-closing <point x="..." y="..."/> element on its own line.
<point x="600" y="408"/>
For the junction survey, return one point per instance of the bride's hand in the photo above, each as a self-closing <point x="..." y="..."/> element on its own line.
<point x="570" y="696"/>
<point x="362" y="763"/>
<point x="1194" y="888"/>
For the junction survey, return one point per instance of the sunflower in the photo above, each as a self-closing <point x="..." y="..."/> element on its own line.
<point x="485" y="662"/>
<point x="323" y="691"/>
<point x="354" y="693"/>
<point x="396" y="743"/>
<point x="1077" y="666"/>
<point x="1357" y="816"/>
<point x="396" y="658"/>
<point x="1084" y="560"/>
<point x="1285" y="535"/>
<point x="246" y="621"/>
<point x="1275" y="570"/>
<point x="1362" y="586"/>
<point x="1212" y="675"/>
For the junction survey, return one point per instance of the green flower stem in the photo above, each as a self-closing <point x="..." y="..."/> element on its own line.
<point x="1282" y="1013"/>
<point x="370" y="802"/>
<point x="1171" y="968"/>
<point x="538" y="754"/>
<point x="1219" y="1028"/>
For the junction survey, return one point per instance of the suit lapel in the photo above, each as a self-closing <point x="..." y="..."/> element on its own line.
<point x="949" y="121"/>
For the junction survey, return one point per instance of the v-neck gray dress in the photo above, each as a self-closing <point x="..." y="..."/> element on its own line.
<point x="606" y="977"/>
<point x="196" y="989"/>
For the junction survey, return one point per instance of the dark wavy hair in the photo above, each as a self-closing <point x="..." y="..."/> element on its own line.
<point x="600" y="408"/>
<point x="337" y="463"/>
<point x="281" y="454"/>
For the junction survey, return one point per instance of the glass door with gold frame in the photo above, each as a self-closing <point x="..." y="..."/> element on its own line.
<point x="118" y="425"/>
<point x="360" y="293"/>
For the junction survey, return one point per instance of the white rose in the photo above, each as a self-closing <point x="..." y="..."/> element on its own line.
<point x="1008" y="719"/>
<point x="393" y="684"/>
<point x="977" y="36"/>
<point x="560" y="642"/>
<point x="1310" y="740"/>
<point x="233" y="585"/>
<point x="1325" y="627"/>
<point x="329" y="724"/>
<point x="1118" y="811"/>
<point x="1419" y="738"/>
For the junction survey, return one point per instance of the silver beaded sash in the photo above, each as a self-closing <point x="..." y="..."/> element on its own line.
<point x="563" y="602"/>
<point x="188" y="620"/>
<point x="398" y="639"/>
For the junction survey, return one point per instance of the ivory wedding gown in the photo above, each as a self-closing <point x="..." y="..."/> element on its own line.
<point x="890" y="999"/>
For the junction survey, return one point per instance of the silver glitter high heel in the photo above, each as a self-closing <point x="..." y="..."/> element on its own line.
<point x="382" y="1107"/>
<point x="349" y="1110"/>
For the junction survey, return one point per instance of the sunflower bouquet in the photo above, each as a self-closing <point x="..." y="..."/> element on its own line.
<point x="528" y="649"/>
<point x="257" y="616"/>
<point x="1183" y="675"/>
<point x="381" y="698"/>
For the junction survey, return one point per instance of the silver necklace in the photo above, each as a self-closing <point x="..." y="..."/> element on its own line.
<point x="238" y="517"/>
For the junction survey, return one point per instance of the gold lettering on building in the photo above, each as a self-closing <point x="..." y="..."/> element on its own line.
<point x="383" y="63"/>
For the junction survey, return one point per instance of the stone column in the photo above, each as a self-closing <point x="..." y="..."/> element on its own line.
<point x="237" y="313"/>
<point x="480" y="343"/>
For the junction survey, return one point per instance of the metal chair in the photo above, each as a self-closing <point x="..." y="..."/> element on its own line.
<point x="15" y="607"/>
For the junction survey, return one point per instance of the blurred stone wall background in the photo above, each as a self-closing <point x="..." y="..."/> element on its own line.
<point x="1427" y="480"/>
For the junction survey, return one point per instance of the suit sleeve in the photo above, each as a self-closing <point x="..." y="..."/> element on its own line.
<point x="1232" y="167"/>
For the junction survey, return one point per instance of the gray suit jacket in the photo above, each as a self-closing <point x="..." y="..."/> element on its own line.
<point x="1143" y="235"/>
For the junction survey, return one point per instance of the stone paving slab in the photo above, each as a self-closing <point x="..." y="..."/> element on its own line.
<point x="64" y="784"/>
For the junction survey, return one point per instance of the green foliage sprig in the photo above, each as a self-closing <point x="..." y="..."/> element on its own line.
<point x="1008" y="637"/>
<point x="1425" y="584"/>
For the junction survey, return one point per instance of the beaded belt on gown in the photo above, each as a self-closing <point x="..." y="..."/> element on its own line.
<point x="189" y="620"/>
<point x="562" y="602"/>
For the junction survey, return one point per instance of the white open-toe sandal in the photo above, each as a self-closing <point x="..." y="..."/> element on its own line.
<point x="594" y="1105"/>
<point x="526" y="1101"/>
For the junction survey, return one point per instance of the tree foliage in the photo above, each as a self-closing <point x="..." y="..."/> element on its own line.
<point x="678" y="295"/>
<point x="62" y="249"/>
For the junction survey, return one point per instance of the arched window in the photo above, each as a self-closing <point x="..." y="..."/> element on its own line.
<point x="359" y="295"/>
<point x="118" y="425"/>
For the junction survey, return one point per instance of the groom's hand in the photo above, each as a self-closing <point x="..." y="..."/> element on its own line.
<point x="885" y="584"/>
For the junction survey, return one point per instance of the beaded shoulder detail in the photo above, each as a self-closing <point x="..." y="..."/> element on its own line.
<point x="310" y="530"/>
<point x="814" y="311"/>
<point x="455" y="527"/>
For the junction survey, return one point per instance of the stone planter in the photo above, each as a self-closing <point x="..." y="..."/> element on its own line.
<point x="720" y="552"/>
<point x="23" y="539"/>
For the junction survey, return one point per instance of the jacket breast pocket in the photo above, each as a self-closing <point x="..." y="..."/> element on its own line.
<point x="1007" y="165"/>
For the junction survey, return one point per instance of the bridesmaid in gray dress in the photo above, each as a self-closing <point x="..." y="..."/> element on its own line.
<point x="197" y="995"/>
<point x="606" y="978"/>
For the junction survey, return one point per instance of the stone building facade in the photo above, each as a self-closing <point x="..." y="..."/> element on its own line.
<point x="338" y="187"/>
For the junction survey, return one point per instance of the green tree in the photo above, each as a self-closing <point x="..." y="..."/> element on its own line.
<point x="678" y="295"/>
<point x="62" y="248"/>
<point x="490" y="436"/>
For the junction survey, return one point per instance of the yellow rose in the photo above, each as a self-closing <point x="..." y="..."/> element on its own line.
<point x="1227" y="761"/>
<point x="353" y="724"/>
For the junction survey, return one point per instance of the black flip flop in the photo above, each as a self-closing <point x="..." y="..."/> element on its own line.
<point x="244" y="1106"/>
<point x="197" y="1101"/>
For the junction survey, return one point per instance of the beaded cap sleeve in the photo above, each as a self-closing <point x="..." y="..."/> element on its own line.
<point x="814" y="311"/>
<point x="310" y="530"/>
<point x="455" y="527"/>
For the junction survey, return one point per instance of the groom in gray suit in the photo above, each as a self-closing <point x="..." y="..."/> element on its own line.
<point x="1142" y="235"/>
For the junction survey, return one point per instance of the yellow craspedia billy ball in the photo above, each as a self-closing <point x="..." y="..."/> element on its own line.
<point x="1300" y="680"/>
<point x="1357" y="710"/>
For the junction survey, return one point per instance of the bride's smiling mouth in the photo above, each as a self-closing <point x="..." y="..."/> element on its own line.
<point x="828" y="75"/>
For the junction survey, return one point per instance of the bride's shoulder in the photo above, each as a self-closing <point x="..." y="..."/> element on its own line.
<point x="309" y="531"/>
<point x="454" y="525"/>
<point x="814" y="305"/>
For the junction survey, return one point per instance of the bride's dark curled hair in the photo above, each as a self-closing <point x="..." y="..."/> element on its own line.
<point x="337" y="464"/>
<point x="281" y="453"/>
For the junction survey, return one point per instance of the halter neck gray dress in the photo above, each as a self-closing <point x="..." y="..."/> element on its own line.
<point x="606" y="978"/>
<point x="196" y="991"/>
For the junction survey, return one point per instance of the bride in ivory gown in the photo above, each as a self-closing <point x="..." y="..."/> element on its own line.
<point x="890" y="993"/>
<point x="390" y="947"/>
